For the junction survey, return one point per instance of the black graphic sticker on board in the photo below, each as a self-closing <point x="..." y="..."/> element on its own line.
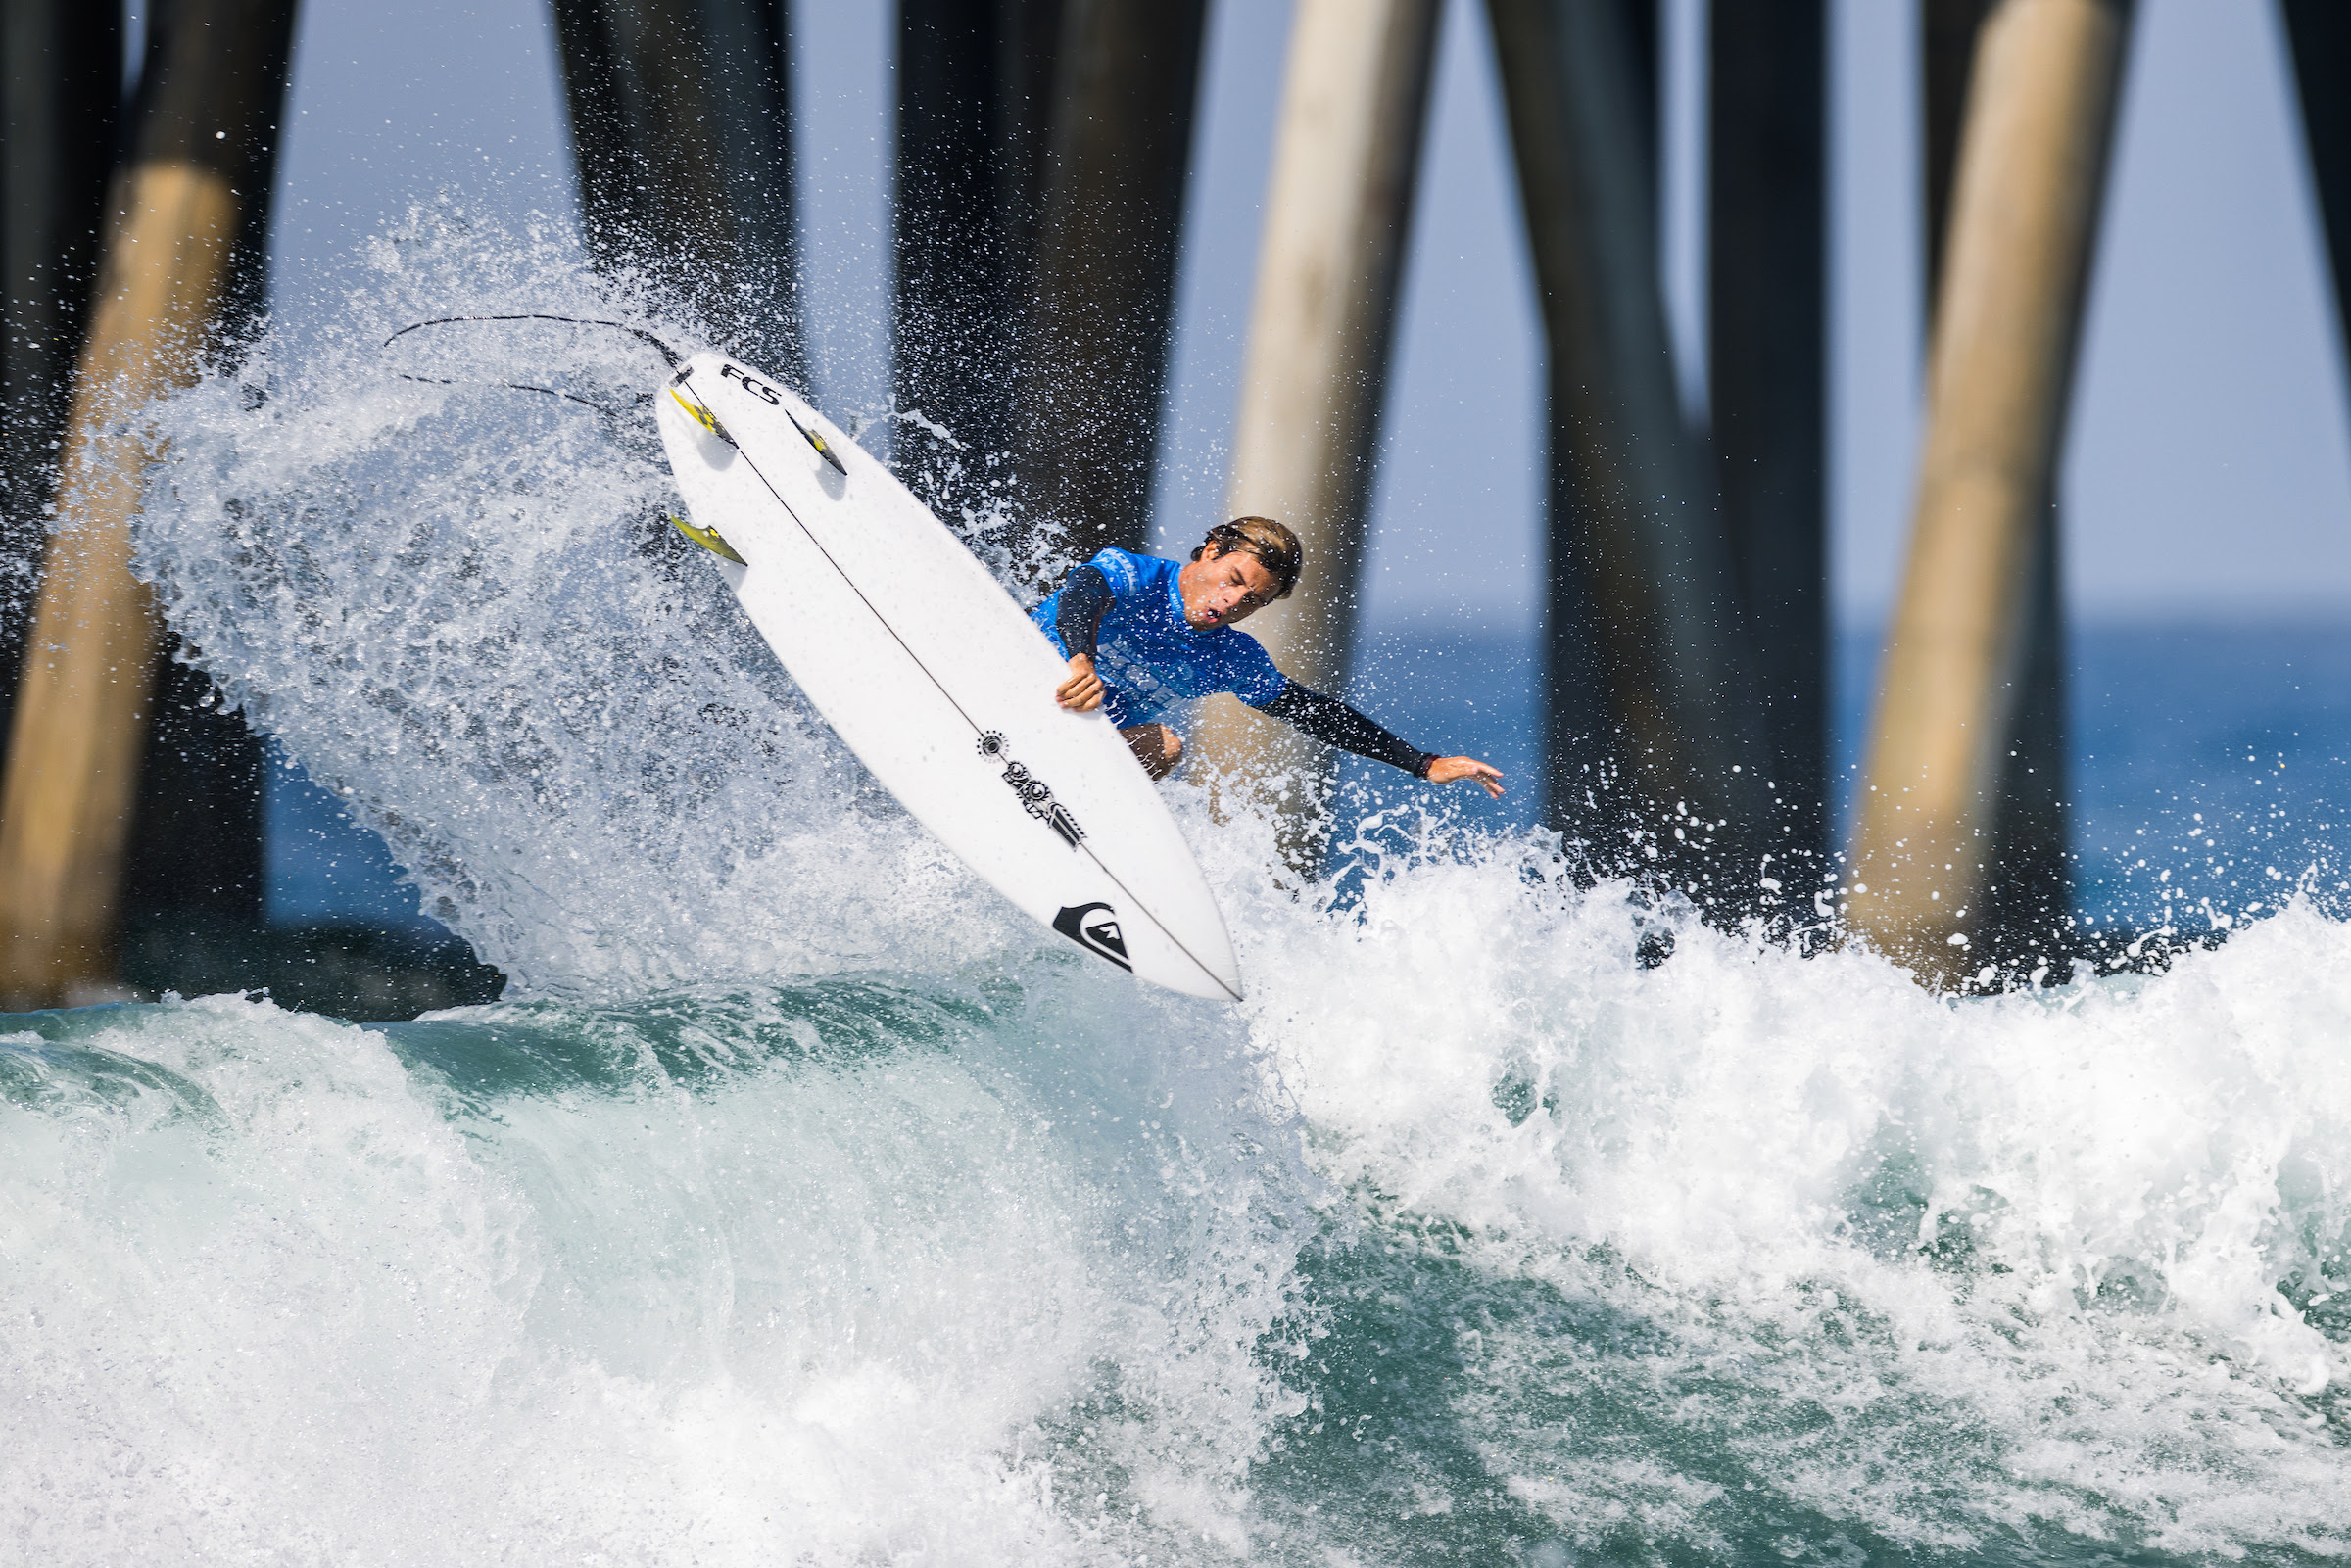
<point x="1036" y="795"/>
<point x="1097" y="933"/>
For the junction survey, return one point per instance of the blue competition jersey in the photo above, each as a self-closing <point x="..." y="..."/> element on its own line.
<point x="1150" y="657"/>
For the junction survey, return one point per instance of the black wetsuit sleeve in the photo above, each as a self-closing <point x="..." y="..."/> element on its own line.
<point x="1077" y="618"/>
<point x="1335" y="724"/>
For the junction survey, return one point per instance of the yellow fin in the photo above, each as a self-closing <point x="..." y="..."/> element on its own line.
<point x="703" y="417"/>
<point x="706" y="538"/>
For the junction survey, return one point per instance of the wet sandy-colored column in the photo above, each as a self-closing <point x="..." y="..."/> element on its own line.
<point x="1330" y="266"/>
<point x="210" y="91"/>
<point x="2024" y="220"/>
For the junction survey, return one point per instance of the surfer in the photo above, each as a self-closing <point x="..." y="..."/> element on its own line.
<point x="1142" y="631"/>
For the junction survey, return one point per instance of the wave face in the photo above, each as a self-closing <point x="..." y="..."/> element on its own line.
<point x="806" y="1206"/>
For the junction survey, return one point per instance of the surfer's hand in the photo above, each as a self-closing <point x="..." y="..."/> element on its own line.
<point x="1082" y="693"/>
<point x="1445" y="770"/>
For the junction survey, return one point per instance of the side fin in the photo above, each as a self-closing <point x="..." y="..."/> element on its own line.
<point x="708" y="540"/>
<point x="703" y="417"/>
<point x="818" y="442"/>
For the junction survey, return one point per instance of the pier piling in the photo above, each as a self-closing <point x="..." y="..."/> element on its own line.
<point x="1101" y="296"/>
<point x="2319" y="32"/>
<point x="975" y="99"/>
<point x="1330" y="266"/>
<point x="182" y="269"/>
<point x="1654" y="734"/>
<point x="1768" y="386"/>
<point x="2029" y="890"/>
<point x="2026" y="188"/>
<point x="62" y="76"/>
<point x="681" y="131"/>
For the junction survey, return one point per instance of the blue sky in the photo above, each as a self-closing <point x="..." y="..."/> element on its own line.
<point x="2208" y="473"/>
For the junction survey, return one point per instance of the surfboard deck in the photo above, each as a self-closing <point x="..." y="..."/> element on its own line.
<point x="935" y="679"/>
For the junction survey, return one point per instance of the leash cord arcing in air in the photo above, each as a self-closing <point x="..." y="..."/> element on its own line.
<point x="668" y="355"/>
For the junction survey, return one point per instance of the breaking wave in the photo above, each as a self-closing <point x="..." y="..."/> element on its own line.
<point x="804" y="1204"/>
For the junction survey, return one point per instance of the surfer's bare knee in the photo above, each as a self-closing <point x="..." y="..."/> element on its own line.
<point x="1156" y="747"/>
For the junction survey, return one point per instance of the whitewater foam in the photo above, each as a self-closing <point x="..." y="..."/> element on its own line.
<point x="835" y="1271"/>
<point x="805" y="1204"/>
<point x="1942" y="1270"/>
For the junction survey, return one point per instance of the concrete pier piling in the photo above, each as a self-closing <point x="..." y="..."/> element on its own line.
<point x="2319" y="32"/>
<point x="681" y="131"/>
<point x="2029" y="181"/>
<point x="2029" y="892"/>
<point x="1101" y="296"/>
<point x="1331" y="267"/>
<point x="1766" y="378"/>
<point x="1654" y="733"/>
<point x="181" y="264"/>
<point x="975" y="104"/>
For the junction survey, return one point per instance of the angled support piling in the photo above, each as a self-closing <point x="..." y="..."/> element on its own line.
<point x="1768" y="386"/>
<point x="1101" y="296"/>
<point x="181" y="266"/>
<point x="1330" y="267"/>
<point x="1653" y="723"/>
<point x="2029" y="183"/>
<point x="2030" y="891"/>
<point x="681" y="130"/>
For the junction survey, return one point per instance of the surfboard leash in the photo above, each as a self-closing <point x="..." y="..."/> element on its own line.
<point x="668" y="355"/>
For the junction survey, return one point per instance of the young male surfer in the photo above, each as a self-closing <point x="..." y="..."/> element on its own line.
<point x="1140" y="633"/>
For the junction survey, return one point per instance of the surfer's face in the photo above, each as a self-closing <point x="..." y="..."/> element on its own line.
<point x="1222" y="588"/>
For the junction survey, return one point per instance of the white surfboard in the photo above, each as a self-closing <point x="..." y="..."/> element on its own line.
<point x="934" y="678"/>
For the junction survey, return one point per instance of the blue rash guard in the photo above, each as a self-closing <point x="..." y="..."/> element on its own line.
<point x="1148" y="655"/>
<point x="1126" y="612"/>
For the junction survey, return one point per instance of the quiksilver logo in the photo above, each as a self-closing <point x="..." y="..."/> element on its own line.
<point x="1096" y="933"/>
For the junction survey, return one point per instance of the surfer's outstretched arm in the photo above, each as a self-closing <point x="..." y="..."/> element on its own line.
<point x="1335" y="724"/>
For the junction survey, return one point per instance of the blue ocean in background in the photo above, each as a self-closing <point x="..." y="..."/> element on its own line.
<point x="2219" y="755"/>
<point x="322" y="863"/>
